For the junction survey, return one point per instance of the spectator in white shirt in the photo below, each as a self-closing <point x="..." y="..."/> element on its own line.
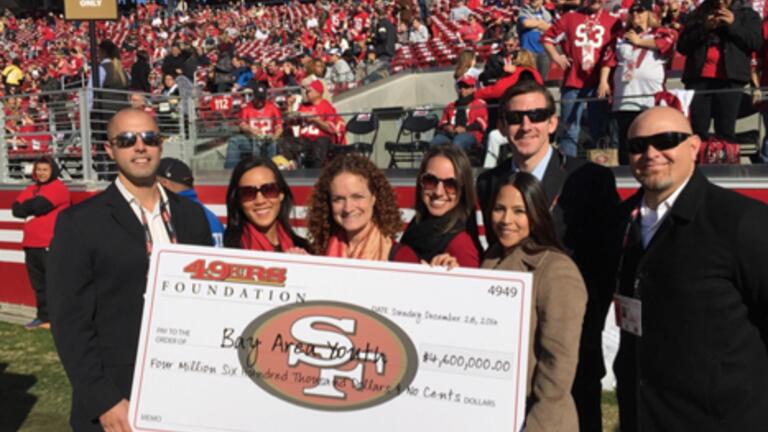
<point x="419" y="32"/>
<point x="340" y="72"/>
<point x="461" y="12"/>
<point x="262" y="33"/>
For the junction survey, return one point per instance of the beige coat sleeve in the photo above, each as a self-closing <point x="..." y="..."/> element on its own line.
<point x="560" y="304"/>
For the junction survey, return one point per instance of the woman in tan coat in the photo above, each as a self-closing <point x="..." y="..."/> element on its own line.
<point x="527" y="242"/>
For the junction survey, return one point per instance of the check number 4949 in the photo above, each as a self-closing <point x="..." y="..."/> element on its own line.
<point x="502" y="291"/>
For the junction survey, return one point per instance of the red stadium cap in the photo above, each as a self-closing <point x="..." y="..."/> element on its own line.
<point x="467" y="80"/>
<point x="317" y="86"/>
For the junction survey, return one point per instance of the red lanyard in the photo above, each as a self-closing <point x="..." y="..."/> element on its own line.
<point x="554" y="202"/>
<point x="624" y="243"/>
<point x="165" y="215"/>
<point x="635" y="63"/>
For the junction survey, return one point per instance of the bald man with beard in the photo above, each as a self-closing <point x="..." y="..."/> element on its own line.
<point x="692" y="291"/>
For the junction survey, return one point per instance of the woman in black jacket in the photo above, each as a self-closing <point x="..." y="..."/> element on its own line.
<point x="718" y="39"/>
<point x="140" y="73"/>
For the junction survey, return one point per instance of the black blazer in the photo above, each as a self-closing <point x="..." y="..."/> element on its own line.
<point x="97" y="274"/>
<point x="585" y="204"/>
<point x="737" y="42"/>
<point x="701" y="363"/>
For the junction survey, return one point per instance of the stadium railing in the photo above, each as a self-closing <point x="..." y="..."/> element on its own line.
<point x="70" y="127"/>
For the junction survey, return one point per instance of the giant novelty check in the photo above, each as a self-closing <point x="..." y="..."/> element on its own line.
<point x="243" y="341"/>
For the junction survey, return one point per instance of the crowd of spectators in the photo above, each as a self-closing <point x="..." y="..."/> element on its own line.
<point x="345" y="44"/>
<point x="227" y="40"/>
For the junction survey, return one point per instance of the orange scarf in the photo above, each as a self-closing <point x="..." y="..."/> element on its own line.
<point x="375" y="246"/>
<point x="254" y="239"/>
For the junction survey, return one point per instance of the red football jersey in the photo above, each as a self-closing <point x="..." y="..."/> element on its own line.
<point x="221" y="103"/>
<point x="583" y="38"/>
<point x="334" y="22"/>
<point x="361" y="22"/>
<point x="276" y="80"/>
<point x="327" y="113"/>
<point x="337" y="19"/>
<point x="268" y="118"/>
<point x="308" y="39"/>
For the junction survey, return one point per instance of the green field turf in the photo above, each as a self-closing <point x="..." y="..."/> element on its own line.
<point x="34" y="391"/>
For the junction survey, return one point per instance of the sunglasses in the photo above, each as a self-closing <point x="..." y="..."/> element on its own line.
<point x="637" y="10"/>
<point x="128" y="139"/>
<point x="535" y="115"/>
<point x="249" y="193"/>
<point x="661" y="142"/>
<point x="429" y="182"/>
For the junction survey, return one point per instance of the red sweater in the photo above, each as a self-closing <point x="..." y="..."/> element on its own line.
<point x="464" y="250"/>
<point x="38" y="230"/>
<point x="462" y="247"/>
<point x="404" y="254"/>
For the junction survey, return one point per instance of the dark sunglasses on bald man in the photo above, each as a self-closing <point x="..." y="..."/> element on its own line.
<point x="429" y="183"/>
<point x="249" y="193"/>
<point x="661" y="141"/>
<point x="535" y="115"/>
<point x="128" y="139"/>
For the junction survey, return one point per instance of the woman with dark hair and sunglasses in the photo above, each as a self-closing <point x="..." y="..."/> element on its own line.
<point x="444" y="229"/>
<point x="259" y="204"/>
<point x="353" y="213"/>
<point x="527" y="242"/>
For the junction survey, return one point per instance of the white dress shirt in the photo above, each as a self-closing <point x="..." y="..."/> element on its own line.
<point x="154" y="218"/>
<point x="541" y="167"/>
<point x="650" y="219"/>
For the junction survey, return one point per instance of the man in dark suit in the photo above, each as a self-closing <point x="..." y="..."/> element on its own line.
<point x="98" y="263"/>
<point x="692" y="292"/>
<point x="583" y="200"/>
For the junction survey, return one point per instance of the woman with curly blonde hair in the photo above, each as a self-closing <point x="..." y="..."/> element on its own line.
<point x="353" y="213"/>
